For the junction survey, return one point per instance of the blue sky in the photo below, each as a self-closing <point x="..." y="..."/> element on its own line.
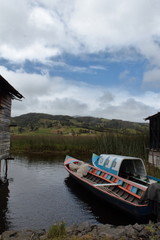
<point x="82" y="57"/>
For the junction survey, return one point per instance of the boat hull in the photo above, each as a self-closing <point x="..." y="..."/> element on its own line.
<point x="139" y="212"/>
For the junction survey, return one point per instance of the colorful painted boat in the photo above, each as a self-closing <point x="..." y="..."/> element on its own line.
<point x="120" y="192"/>
<point x="127" y="167"/>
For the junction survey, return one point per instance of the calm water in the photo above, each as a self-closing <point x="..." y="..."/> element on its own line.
<point x="39" y="192"/>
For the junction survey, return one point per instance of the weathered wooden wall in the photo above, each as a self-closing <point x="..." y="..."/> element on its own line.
<point x="5" y="116"/>
<point x="155" y="133"/>
<point x="154" y="158"/>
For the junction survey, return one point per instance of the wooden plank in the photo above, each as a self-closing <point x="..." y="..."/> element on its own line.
<point x="106" y="184"/>
<point x="6" y="103"/>
<point x="5" y="114"/>
<point x="4" y="128"/>
<point x="5" y="119"/>
<point x="5" y="110"/>
<point x="120" y="186"/>
<point x="6" y="100"/>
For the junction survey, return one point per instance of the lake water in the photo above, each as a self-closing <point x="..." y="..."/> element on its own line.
<point x="38" y="192"/>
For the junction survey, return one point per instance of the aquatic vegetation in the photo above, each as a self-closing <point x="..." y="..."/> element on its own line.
<point x="124" y="144"/>
<point x="57" y="231"/>
<point x="53" y="144"/>
<point x="131" y="145"/>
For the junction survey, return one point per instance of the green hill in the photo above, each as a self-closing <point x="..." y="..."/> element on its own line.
<point x="63" y="124"/>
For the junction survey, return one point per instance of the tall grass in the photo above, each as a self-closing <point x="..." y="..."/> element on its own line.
<point x="132" y="145"/>
<point x="83" y="146"/>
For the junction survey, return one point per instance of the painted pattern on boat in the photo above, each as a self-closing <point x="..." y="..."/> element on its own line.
<point x="114" y="163"/>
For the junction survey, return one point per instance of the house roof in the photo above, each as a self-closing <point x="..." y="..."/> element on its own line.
<point x="6" y="88"/>
<point x="153" y="116"/>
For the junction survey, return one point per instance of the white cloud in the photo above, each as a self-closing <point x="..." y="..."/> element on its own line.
<point x="55" y="95"/>
<point x="98" y="67"/>
<point x="66" y="105"/>
<point x="41" y="29"/>
<point x="41" y="18"/>
<point x="151" y="99"/>
<point x="118" y="25"/>
<point x="151" y="78"/>
<point x="130" y="109"/>
<point x="27" y="84"/>
<point x="36" y="51"/>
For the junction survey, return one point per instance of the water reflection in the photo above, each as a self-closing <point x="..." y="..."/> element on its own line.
<point x="37" y="192"/>
<point x="4" y="195"/>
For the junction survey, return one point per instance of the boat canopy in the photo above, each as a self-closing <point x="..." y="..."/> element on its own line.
<point x="120" y="165"/>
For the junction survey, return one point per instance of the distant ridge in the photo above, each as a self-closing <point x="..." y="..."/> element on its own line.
<point x="37" y="120"/>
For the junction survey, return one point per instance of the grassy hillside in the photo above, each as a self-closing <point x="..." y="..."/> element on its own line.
<point x="40" y="123"/>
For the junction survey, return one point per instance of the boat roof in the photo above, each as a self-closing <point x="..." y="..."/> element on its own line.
<point x="119" y="157"/>
<point x="113" y="163"/>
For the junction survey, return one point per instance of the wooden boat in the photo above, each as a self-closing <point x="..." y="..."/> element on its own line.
<point x="127" y="167"/>
<point x="122" y="193"/>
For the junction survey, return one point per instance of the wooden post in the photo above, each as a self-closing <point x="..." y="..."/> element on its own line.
<point x="6" y="169"/>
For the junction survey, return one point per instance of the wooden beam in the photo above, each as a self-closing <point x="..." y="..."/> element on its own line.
<point x="106" y="184"/>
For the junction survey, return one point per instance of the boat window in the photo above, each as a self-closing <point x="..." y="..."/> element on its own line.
<point x="101" y="161"/>
<point x="132" y="168"/>
<point x="114" y="164"/>
<point x="107" y="162"/>
<point x="139" y="168"/>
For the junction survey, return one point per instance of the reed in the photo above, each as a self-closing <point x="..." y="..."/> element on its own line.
<point x="53" y="144"/>
<point x="83" y="146"/>
<point x="152" y="170"/>
<point x="131" y="145"/>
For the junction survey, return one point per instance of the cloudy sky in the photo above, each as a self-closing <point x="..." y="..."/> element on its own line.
<point x="82" y="57"/>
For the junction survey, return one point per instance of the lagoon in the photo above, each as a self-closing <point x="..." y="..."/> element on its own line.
<point x="39" y="192"/>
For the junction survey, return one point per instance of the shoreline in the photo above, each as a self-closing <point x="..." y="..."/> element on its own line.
<point x="88" y="231"/>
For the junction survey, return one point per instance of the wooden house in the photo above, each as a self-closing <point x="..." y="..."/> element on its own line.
<point x="154" y="139"/>
<point x="7" y="94"/>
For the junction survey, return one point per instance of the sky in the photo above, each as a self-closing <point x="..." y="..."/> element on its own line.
<point x="97" y="58"/>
